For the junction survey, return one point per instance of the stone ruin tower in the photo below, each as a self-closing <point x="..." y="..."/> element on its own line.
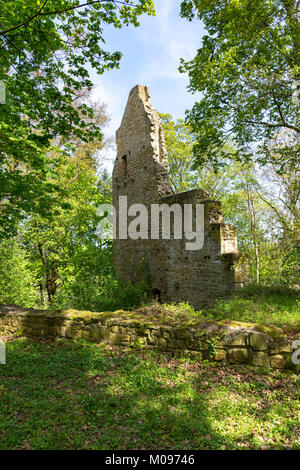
<point x="140" y="173"/>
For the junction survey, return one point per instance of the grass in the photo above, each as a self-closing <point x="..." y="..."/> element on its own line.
<point x="264" y="305"/>
<point x="277" y="305"/>
<point x="75" y="395"/>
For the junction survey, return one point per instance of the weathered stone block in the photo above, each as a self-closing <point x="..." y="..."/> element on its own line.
<point x="220" y="355"/>
<point x="258" y="341"/>
<point x="94" y="333"/>
<point x="162" y="343"/>
<point x="116" y="338"/>
<point x="237" y="340"/>
<point x="260" y="359"/>
<point x="62" y="331"/>
<point x="76" y="332"/>
<point x="152" y="340"/>
<point x="238" y="356"/>
<point x="86" y="334"/>
<point x="280" y="347"/>
<point x="194" y="355"/>
<point x="156" y="333"/>
<point x="104" y="333"/>
<point x="277" y="361"/>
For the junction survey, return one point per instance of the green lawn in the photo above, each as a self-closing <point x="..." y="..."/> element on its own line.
<point x="276" y="305"/>
<point x="75" y="395"/>
<point x="264" y="305"/>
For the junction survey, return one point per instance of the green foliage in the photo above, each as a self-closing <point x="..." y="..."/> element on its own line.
<point x="246" y="70"/>
<point x="75" y="267"/>
<point x="47" y="49"/>
<point x="100" y="290"/>
<point x="265" y="209"/>
<point x="17" y="277"/>
<point x="74" y="395"/>
<point x="274" y="305"/>
<point x="58" y="242"/>
<point x="184" y="176"/>
<point x="64" y="262"/>
<point x="137" y="344"/>
<point x="212" y="347"/>
<point x="179" y="141"/>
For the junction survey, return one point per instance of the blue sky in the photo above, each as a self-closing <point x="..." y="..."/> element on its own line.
<point x="151" y="56"/>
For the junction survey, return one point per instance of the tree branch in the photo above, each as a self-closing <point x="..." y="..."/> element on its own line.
<point x="279" y="109"/>
<point x="57" y="12"/>
<point x="275" y="209"/>
<point x="2" y="33"/>
<point x="269" y="124"/>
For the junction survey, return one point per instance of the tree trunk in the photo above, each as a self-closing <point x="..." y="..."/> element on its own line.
<point x="253" y="225"/>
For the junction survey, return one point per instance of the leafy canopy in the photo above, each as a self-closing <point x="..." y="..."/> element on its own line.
<point x="47" y="50"/>
<point x="247" y="69"/>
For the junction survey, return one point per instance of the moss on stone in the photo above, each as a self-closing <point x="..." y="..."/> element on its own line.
<point x="238" y="341"/>
<point x="236" y="324"/>
<point x="273" y="331"/>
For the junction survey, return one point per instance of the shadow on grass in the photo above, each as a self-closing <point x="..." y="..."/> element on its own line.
<point x="75" y="395"/>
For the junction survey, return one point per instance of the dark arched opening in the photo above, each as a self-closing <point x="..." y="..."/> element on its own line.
<point x="156" y="295"/>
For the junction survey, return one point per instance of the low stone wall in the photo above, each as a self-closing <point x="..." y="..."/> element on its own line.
<point x="226" y="342"/>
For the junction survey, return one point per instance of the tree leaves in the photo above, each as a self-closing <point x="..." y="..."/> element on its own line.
<point x="246" y="69"/>
<point x="47" y="49"/>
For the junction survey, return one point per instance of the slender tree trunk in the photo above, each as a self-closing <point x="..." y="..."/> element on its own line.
<point x="253" y="225"/>
<point x="42" y="294"/>
<point x="50" y="272"/>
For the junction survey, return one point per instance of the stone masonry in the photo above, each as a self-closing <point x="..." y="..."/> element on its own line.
<point x="140" y="173"/>
<point x="226" y="342"/>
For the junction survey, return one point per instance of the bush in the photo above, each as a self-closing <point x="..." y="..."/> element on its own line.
<point x="17" y="280"/>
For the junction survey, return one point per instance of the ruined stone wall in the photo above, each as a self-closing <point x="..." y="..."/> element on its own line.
<point x="224" y="342"/>
<point x="140" y="173"/>
<point x="199" y="276"/>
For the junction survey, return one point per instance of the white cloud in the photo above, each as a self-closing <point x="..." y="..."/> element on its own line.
<point x="104" y="94"/>
<point x="151" y="57"/>
<point x="173" y="37"/>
